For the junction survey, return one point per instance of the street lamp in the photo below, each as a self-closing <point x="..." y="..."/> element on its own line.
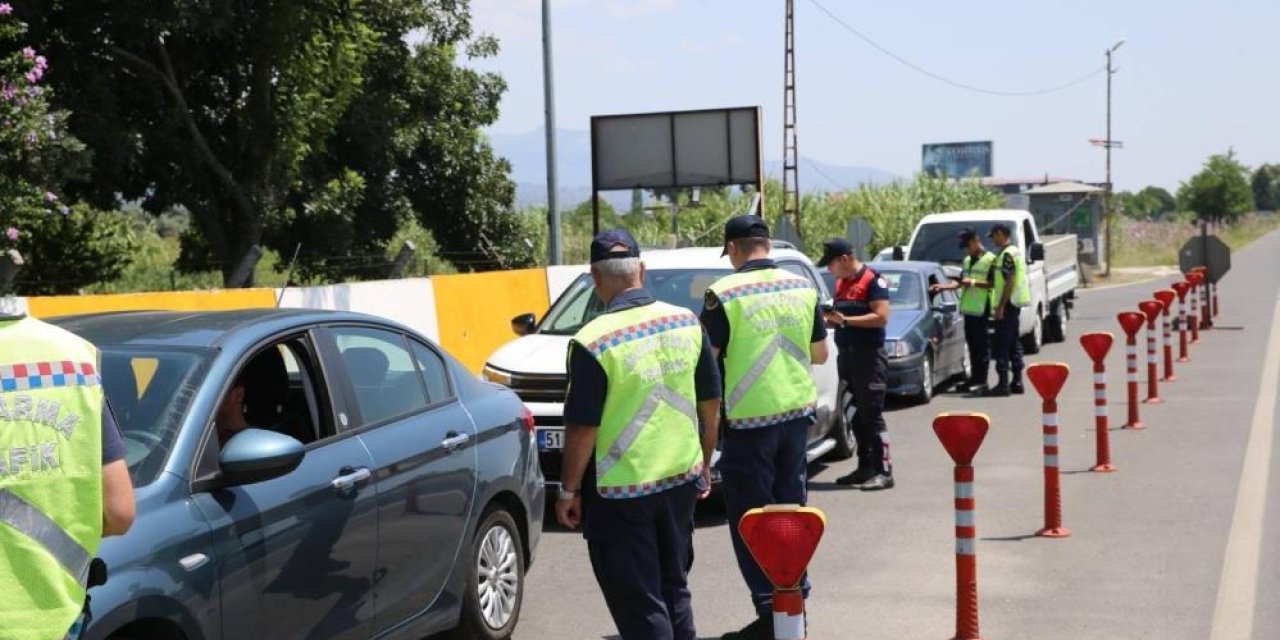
<point x="1108" y="144"/>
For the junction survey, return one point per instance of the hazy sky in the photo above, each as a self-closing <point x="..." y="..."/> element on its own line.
<point x="1195" y="77"/>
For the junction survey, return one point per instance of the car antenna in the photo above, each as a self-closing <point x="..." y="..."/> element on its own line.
<point x="288" y="274"/>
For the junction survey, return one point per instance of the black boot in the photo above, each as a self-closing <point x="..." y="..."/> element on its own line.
<point x="760" y="629"/>
<point x="999" y="391"/>
<point x="1016" y="388"/>
<point x="863" y="473"/>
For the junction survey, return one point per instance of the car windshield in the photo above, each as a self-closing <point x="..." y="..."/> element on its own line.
<point x="936" y="241"/>
<point x="150" y="391"/>
<point x="579" y="304"/>
<point x="904" y="288"/>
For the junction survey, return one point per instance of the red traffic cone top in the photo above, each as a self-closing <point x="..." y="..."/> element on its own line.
<point x="1097" y="344"/>
<point x="1166" y="297"/>
<point x="1048" y="378"/>
<point x="1181" y="288"/>
<point x="1153" y="309"/>
<point x="1131" y="322"/>
<point x="961" y="434"/>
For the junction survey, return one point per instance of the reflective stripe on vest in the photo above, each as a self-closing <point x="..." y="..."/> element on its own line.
<point x="766" y="363"/>
<point x="649" y="355"/>
<point x="1021" y="295"/>
<point x="32" y="523"/>
<point x="974" y="300"/>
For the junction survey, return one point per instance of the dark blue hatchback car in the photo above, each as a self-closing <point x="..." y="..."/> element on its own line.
<point x="381" y="490"/>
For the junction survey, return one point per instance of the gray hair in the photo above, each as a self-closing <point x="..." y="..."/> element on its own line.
<point x="623" y="271"/>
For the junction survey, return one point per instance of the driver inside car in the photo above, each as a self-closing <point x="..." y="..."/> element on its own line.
<point x="230" y="418"/>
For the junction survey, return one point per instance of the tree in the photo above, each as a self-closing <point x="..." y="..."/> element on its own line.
<point x="1150" y="202"/>
<point x="1220" y="192"/>
<point x="1266" y="187"/>
<point x="65" y="246"/>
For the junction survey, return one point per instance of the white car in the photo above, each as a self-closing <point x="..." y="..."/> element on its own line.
<point x="533" y="365"/>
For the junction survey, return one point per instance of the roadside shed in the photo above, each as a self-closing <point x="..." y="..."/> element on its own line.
<point x="1071" y="207"/>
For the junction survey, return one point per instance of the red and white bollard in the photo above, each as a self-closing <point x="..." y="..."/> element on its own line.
<point x="1048" y="378"/>
<point x="962" y="434"/>
<point x="1097" y="344"/>
<point x="1166" y="298"/>
<point x="1181" y="289"/>
<point x="782" y="539"/>
<point x="1206" y="319"/>
<point x="1194" y="279"/>
<point x="1131" y="322"/>
<point x="1152" y="309"/>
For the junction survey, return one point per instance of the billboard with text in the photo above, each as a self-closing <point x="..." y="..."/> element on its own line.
<point x="958" y="159"/>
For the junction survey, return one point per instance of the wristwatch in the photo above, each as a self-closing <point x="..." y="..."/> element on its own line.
<point x="566" y="494"/>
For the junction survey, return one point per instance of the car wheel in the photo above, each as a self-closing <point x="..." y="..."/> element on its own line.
<point x="925" y="396"/>
<point x="842" y="429"/>
<point x="495" y="579"/>
<point x="1055" y="324"/>
<point x="1032" y="342"/>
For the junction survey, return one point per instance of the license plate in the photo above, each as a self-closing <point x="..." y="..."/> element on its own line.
<point x="549" y="439"/>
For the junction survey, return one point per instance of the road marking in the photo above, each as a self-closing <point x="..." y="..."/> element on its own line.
<point x="1238" y="590"/>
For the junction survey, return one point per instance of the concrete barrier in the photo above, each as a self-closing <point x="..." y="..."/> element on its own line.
<point x="410" y="302"/>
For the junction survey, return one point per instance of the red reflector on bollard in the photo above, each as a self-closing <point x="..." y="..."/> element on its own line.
<point x="1152" y="309"/>
<point x="1131" y="322"/>
<point x="783" y="539"/>
<point x="1097" y="344"/>
<point x="961" y="434"/>
<point x="1165" y="297"/>
<point x="1048" y="378"/>
<point x="1181" y="288"/>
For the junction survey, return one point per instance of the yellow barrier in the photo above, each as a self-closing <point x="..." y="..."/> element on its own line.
<point x="50" y="306"/>
<point x="474" y="310"/>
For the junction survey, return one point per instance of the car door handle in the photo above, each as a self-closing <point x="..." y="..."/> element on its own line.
<point x="348" y="481"/>
<point x="455" y="441"/>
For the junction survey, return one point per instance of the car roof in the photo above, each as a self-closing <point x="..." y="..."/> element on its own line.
<point x="193" y="329"/>
<point x="981" y="215"/>
<point x="917" y="266"/>
<point x="706" y="258"/>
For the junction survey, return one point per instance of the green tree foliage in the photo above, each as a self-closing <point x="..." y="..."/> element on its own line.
<point x="1150" y="202"/>
<point x="1266" y="187"/>
<point x="65" y="246"/>
<point x="1220" y="192"/>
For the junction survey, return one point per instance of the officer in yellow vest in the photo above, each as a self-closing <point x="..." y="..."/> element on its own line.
<point x="765" y="324"/>
<point x="63" y="480"/>
<point x="976" y="274"/>
<point x="1010" y="294"/>
<point x="641" y="416"/>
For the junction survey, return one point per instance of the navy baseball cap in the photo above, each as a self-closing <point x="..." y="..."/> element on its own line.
<point x="834" y="248"/>
<point x="965" y="236"/>
<point x="1001" y="227"/>
<point x="613" y="244"/>
<point x="747" y="226"/>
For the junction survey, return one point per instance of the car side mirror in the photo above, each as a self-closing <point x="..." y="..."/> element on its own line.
<point x="523" y="324"/>
<point x="1037" y="252"/>
<point x="256" y="455"/>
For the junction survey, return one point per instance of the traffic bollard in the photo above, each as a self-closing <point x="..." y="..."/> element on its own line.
<point x="1206" y="319"/>
<point x="1194" y="280"/>
<point x="962" y="434"/>
<point x="1181" y="289"/>
<point x="1097" y="344"/>
<point x="782" y="539"/>
<point x="1152" y="309"/>
<point x="1048" y="378"/>
<point x="1166" y="298"/>
<point x="1131" y="322"/>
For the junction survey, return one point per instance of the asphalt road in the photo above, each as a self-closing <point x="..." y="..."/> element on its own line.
<point x="1147" y="556"/>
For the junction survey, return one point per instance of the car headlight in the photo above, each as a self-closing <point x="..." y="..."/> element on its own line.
<point x="898" y="348"/>
<point x="496" y="375"/>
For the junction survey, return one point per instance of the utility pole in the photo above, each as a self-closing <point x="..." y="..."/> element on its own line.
<point x="554" y="252"/>
<point x="790" y="154"/>
<point x="1107" y="208"/>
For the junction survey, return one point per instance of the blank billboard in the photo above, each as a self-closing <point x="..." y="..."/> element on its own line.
<point x="676" y="149"/>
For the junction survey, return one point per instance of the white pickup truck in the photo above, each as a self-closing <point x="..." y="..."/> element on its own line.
<point x="1053" y="270"/>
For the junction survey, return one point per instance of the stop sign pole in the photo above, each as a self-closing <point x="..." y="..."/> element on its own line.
<point x="782" y="539"/>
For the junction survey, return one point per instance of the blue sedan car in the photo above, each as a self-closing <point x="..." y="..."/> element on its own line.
<point x="380" y="489"/>
<point x="925" y="335"/>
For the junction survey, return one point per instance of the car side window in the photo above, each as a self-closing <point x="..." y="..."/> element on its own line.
<point x="804" y="272"/>
<point x="383" y="376"/>
<point x="1028" y="232"/>
<point x="435" y="375"/>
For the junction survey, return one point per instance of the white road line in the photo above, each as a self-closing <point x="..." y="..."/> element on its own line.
<point x="1238" y="590"/>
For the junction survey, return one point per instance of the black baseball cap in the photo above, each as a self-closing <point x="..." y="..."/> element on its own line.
<point x="1001" y="227"/>
<point x="747" y="226"/>
<point x="613" y="244"/>
<point x="834" y="248"/>
<point x="965" y="236"/>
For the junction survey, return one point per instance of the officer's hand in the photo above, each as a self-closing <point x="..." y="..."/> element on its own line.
<point x="569" y="512"/>
<point x="704" y="484"/>
<point x="967" y="282"/>
<point x="934" y="288"/>
<point x="1000" y="312"/>
<point x="834" y="319"/>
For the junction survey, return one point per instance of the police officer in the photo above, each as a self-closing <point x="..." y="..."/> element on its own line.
<point x="1010" y="294"/>
<point x="765" y="325"/>
<point x="63" y="480"/>
<point x="859" y="314"/>
<point x="975" y="303"/>
<point x="641" y="378"/>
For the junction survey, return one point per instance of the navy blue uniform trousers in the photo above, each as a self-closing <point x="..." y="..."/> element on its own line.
<point x="978" y="342"/>
<point x="641" y="550"/>
<point x="761" y="467"/>
<point x="1007" y="346"/>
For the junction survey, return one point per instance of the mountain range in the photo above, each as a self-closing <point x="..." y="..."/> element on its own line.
<point x="527" y="154"/>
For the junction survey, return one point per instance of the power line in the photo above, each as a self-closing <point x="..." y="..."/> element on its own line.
<point x="813" y="165"/>
<point x="959" y="85"/>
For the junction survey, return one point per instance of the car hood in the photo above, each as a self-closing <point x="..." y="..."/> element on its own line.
<point x="901" y="323"/>
<point x="539" y="353"/>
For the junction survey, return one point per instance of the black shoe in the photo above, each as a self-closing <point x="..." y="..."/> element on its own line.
<point x="1017" y="389"/>
<point x="878" y="483"/>
<point x="760" y="629"/>
<point x="859" y="476"/>
<point x="998" y="391"/>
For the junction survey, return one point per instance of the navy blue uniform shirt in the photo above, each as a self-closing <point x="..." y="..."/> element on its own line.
<point x="853" y="302"/>
<point x="717" y="322"/>
<point x="113" y="447"/>
<point x="584" y="403"/>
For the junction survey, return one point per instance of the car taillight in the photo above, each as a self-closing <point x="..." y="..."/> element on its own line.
<point x="526" y="416"/>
